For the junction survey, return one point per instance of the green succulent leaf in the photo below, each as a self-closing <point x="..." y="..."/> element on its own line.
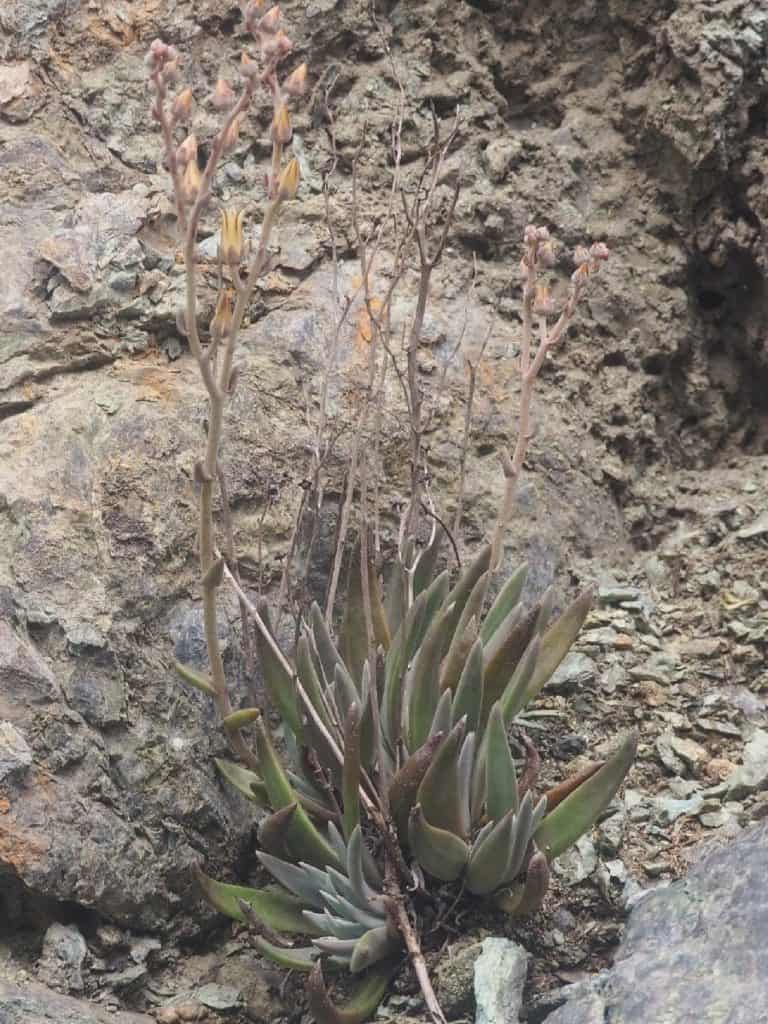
<point x="305" y="667"/>
<point x="278" y="911"/>
<point x="402" y="650"/>
<point x="468" y="698"/>
<point x="581" y="809"/>
<point x="377" y="944"/>
<point x="504" y="653"/>
<point x="489" y="859"/>
<point x="464" y="635"/>
<point x="442" y="854"/>
<point x="466" y="583"/>
<point x="423" y="684"/>
<point x="294" y="958"/>
<point x="194" y="679"/>
<point x="361" y="1004"/>
<point x="439" y="793"/>
<point x="354" y="634"/>
<point x="274" y="829"/>
<point x="501" y="778"/>
<point x="506" y="600"/>
<point x="303" y="836"/>
<point x="405" y="785"/>
<point x="246" y="782"/>
<point x="396" y="596"/>
<point x="529" y="895"/>
<point x="423" y="569"/>
<point x="556" y="641"/>
<point x="237" y="719"/>
<point x="278" y="681"/>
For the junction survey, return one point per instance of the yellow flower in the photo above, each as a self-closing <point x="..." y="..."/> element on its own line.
<point x="288" y="185"/>
<point x="231" y="244"/>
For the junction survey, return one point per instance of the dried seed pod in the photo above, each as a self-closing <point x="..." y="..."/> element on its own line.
<point x="182" y="106"/>
<point x="282" y="131"/>
<point x="190" y="184"/>
<point x="231" y="244"/>
<point x="296" y="83"/>
<point x="232" y="134"/>
<point x="222" y="318"/>
<point x="223" y="96"/>
<point x="270" y="23"/>
<point x="288" y="185"/>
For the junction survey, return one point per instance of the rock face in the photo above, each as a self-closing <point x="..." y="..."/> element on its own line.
<point x="696" y="950"/>
<point x="589" y="118"/>
<point x="35" y="1004"/>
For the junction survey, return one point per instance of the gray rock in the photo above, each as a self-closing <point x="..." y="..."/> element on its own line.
<point x="61" y="963"/>
<point x="694" y="951"/>
<point x="752" y="775"/>
<point x="500" y="973"/>
<point x="575" y="671"/>
<point x="667" y="809"/>
<point x="15" y="755"/>
<point x="35" y="1004"/>
<point x="455" y="978"/>
<point x="577" y="863"/>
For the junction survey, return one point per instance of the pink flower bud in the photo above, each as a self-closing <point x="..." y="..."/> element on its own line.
<point x="546" y="256"/>
<point x="190" y="184"/>
<point x="281" y="125"/>
<point x="599" y="251"/>
<point x="248" y="67"/>
<point x="542" y="303"/>
<point x="542" y="234"/>
<point x="288" y="185"/>
<point x="530" y="235"/>
<point x="232" y="134"/>
<point x="277" y="47"/>
<point x="223" y="96"/>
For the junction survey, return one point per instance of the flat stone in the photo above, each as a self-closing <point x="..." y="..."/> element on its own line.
<point x="752" y="775"/>
<point x="695" y="950"/>
<point x="575" y="671"/>
<point x="15" y="755"/>
<point x="500" y="973"/>
<point x="61" y="964"/>
<point x="35" y="1004"/>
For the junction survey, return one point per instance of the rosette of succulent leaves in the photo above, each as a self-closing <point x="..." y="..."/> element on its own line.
<point x="403" y="761"/>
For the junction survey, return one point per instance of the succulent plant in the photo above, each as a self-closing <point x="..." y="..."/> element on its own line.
<point x="419" y="760"/>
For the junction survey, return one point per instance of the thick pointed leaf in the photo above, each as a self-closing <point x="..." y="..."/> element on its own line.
<point x="303" y="884"/>
<point x="464" y="781"/>
<point x="354" y="636"/>
<point x="377" y="944"/>
<point x="396" y="597"/>
<point x="507" y="599"/>
<point x="305" y="668"/>
<point x="557" y="640"/>
<point x="503" y="655"/>
<point x="345" y="908"/>
<point x="247" y="782"/>
<point x="401" y="651"/>
<point x="501" y="779"/>
<point x="278" y="911"/>
<point x="303" y="836"/>
<point x="350" y="788"/>
<point x="453" y="664"/>
<point x="423" y="569"/>
<point x="468" y="698"/>
<point x="330" y="658"/>
<point x="441" y="721"/>
<point x="327" y="924"/>
<point x="489" y="859"/>
<point x="513" y="699"/>
<point x="422" y="686"/>
<point x="405" y="785"/>
<point x="524" y="826"/>
<point x="199" y="682"/>
<point x="362" y="1003"/>
<point x="294" y="958"/>
<point x="278" y="681"/>
<point x="442" y="854"/>
<point x="466" y="583"/>
<point x="527" y="896"/>
<point x="438" y="793"/>
<point x="237" y="719"/>
<point x="273" y="832"/>
<point x="581" y="809"/>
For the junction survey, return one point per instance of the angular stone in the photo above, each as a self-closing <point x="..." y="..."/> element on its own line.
<point x="500" y="973"/>
<point x="15" y="755"/>
<point x="696" y="950"/>
<point x="752" y="775"/>
<point x="35" y="1004"/>
<point x="61" y="964"/>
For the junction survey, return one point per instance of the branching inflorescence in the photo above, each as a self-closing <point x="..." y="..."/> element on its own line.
<point x="403" y="766"/>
